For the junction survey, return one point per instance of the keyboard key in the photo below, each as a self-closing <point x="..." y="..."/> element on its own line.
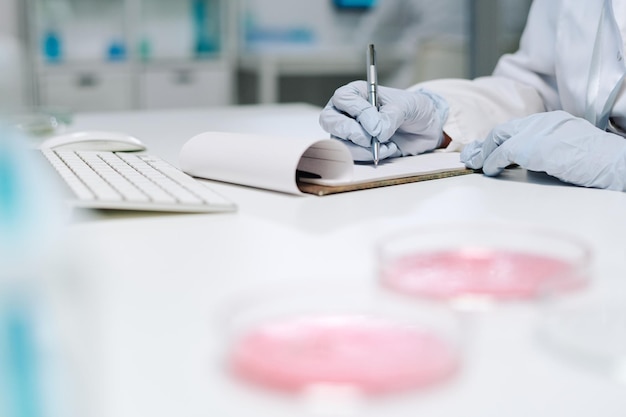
<point x="130" y="181"/>
<point x="90" y="178"/>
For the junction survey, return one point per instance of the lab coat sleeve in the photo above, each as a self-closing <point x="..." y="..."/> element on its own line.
<point x="534" y="62"/>
<point x="523" y="83"/>
<point x="477" y="106"/>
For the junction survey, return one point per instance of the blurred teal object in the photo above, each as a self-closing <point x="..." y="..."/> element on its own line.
<point x="21" y="396"/>
<point x="9" y="195"/>
<point x="354" y="4"/>
<point x="205" y="21"/>
<point x="52" y="47"/>
<point x="31" y="211"/>
<point x="13" y="191"/>
<point x="28" y="216"/>
<point x="145" y="49"/>
<point x="18" y="380"/>
<point x="117" y="51"/>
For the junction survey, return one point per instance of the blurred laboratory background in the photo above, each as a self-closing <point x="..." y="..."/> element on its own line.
<point x="116" y="55"/>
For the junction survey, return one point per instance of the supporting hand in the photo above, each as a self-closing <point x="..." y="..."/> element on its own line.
<point x="566" y="147"/>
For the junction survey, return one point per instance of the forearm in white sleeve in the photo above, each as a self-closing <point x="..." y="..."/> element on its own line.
<point x="476" y="106"/>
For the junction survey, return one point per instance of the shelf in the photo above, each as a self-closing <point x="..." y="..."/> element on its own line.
<point x="90" y="54"/>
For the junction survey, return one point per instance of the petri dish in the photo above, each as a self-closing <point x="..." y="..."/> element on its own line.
<point x="310" y="338"/>
<point x="587" y="331"/>
<point x="38" y="122"/>
<point x="481" y="263"/>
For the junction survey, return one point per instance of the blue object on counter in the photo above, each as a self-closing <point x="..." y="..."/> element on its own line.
<point x="52" y="47"/>
<point x="205" y="40"/>
<point x="117" y="51"/>
<point x="145" y="49"/>
<point x="354" y="4"/>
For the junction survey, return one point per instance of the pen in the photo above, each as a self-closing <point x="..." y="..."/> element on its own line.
<point x="372" y="84"/>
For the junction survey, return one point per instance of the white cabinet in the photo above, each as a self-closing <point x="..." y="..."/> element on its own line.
<point x="125" y="54"/>
<point x="185" y="85"/>
<point x="103" y="88"/>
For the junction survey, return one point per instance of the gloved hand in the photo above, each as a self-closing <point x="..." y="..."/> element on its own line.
<point x="564" y="146"/>
<point x="407" y="123"/>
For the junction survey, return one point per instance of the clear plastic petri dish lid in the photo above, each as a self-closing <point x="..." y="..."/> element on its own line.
<point x="38" y="122"/>
<point x="477" y="264"/>
<point x="331" y="336"/>
<point x="587" y="331"/>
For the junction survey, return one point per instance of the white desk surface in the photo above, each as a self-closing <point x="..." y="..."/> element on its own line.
<point x="158" y="279"/>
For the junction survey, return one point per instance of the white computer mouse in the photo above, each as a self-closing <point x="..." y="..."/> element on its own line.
<point x="94" y="141"/>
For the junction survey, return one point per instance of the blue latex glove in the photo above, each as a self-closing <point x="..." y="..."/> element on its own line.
<point x="407" y="123"/>
<point x="566" y="147"/>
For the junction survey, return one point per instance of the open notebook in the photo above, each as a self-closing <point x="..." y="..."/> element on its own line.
<point x="304" y="165"/>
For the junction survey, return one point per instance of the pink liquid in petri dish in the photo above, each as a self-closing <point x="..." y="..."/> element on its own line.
<point x="495" y="273"/>
<point x="374" y="356"/>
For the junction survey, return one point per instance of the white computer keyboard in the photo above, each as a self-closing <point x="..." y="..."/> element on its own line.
<point x="132" y="181"/>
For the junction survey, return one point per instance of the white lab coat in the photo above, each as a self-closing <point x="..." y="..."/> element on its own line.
<point x="571" y="57"/>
